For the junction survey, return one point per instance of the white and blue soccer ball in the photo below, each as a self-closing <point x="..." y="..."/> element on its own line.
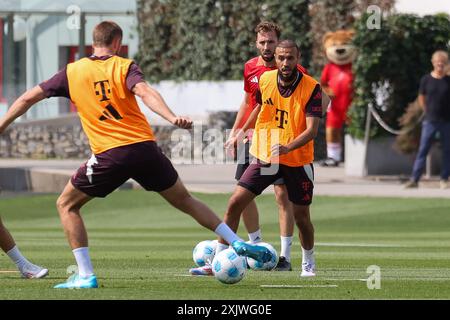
<point x="204" y="252"/>
<point x="228" y="267"/>
<point x="269" y="265"/>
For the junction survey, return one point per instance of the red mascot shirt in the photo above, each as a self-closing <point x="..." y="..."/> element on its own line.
<point x="340" y="80"/>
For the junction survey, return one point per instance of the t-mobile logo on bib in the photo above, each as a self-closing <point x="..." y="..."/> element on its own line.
<point x="281" y="117"/>
<point x="104" y="89"/>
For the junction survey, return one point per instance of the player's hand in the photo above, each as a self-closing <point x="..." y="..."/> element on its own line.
<point x="329" y="92"/>
<point x="278" y="150"/>
<point x="231" y="146"/>
<point x="183" y="122"/>
<point x="231" y="143"/>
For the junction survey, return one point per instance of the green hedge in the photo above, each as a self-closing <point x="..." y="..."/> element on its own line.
<point x="211" y="39"/>
<point x="394" y="57"/>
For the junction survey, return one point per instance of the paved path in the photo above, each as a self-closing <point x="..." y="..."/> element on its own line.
<point x="220" y="178"/>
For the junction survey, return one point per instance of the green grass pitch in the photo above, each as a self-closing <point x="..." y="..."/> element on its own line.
<point x="142" y="249"/>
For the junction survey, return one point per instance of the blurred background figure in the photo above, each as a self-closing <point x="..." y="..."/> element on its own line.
<point x="434" y="98"/>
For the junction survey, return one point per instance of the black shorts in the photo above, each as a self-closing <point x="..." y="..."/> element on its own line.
<point x="244" y="158"/>
<point x="299" y="181"/>
<point x="144" y="162"/>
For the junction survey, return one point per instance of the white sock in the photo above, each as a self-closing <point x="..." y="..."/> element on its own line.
<point x="286" y="244"/>
<point x="334" y="151"/>
<point x="221" y="246"/>
<point x="85" y="268"/>
<point x="308" y="256"/>
<point x="255" y="237"/>
<point x="17" y="257"/>
<point x="224" y="231"/>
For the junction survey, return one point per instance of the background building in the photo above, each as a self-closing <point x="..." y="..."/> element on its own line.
<point x="46" y="36"/>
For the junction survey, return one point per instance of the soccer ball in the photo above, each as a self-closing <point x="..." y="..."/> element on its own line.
<point x="228" y="267"/>
<point x="204" y="252"/>
<point x="269" y="265"/>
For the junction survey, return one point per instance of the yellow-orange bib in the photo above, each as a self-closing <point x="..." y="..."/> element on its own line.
<point x="281" y="120"/>
<point x="109" y="113"/>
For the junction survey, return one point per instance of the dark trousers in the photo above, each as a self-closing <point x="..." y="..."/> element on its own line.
<point x="429" y="130"/>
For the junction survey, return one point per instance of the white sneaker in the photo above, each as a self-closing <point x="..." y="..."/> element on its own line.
<point x="308" y="270"/>
<point x="206" y="270"/>
<point x="32" y="271"/>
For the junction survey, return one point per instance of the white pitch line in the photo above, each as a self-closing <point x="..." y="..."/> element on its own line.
<point x="9" y="271"/>
<point x="192" y="275"/>
<point x="343" y="279"/>
<point x="390" y="279"/>
<point x="364" y="245"/>
<point x="299" y="286"/>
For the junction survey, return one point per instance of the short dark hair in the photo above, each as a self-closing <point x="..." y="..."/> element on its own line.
<point x="105" y="32"/>
<point x="287" y="43"/>
<point x="267" y="26"/>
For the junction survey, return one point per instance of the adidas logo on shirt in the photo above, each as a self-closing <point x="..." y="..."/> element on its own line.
<point x="269" y="102"/>
<point x="254" y="79"/>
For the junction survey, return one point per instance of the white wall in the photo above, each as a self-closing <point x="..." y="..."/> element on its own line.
<point x="61" y="5"/>
<point x="46" y="33"/>
<point x="196" y="98"/>
<point x="422" y="7"/>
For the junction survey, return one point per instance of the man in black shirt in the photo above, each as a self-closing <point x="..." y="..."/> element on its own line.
<point x="434" y="97"/>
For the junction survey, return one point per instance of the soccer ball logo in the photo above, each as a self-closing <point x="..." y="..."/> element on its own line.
<point x="259" y="266"/>
<point x="204" y="252"/>
<point x="228" y="267"/>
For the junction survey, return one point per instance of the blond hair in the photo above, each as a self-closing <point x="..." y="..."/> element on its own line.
<point x="440" y="53"/>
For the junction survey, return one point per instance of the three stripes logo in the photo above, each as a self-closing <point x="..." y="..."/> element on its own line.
<point x="110" y="113"/>
<point x="254" y="79"/>
<point x="269" y="102"/>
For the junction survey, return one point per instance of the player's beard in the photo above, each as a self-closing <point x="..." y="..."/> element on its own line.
<point x="269" y="58"/>
<point x="291" y="77"/>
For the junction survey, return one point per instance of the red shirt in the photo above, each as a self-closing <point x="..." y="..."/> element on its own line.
<point x="253" y="70"/>
<point x="340" y="80"/>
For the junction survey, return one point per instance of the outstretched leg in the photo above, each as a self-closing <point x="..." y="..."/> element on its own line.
<point x="26" y="268"/>
<point x="178" y="196"/>
<point x="6" y="240"/>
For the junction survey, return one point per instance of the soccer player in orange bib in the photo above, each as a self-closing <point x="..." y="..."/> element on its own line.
<point x="103" y="88"/>
<point x="288" y="115"/>
<point x="267" y="36"/>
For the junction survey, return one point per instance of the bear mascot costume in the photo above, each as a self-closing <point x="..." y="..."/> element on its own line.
<point x="337" y="83"/>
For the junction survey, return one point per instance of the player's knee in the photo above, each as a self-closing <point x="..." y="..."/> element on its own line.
<point x="64" y="205"/>
<point x="282" y="199"/>
<point x="60" y="204"/>
<point x="234" y="205"/>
